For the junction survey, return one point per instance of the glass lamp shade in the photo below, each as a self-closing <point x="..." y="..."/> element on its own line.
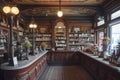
<point x="59" y="27"/>
<point x="14" y="10"/>
<point x="11" y="10"/>
<point x="6" y="9"/>
<point x="60" y="13"/>
<point x="33" y="25"/>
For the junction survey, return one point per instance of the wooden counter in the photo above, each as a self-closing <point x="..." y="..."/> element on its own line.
<point x="99" y="68"/>
<point x="31" y="69"/>
<point x="26" y="69"/>
<point x="63" y="58"/>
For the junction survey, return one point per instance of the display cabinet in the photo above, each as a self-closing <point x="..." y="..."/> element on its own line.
<point x="44" y="37"/>
<point x="60" y="36"/>
<point x="3" y="39"/>
<point x="60" y="41"/>
<point x="79" y="40"/>
<point x="4" y="36"/>
<point x="42" y="34"/>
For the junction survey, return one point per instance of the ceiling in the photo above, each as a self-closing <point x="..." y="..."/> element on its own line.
<point x="47" y="9"/>
<point x="64" y="2"/>
<point x="50" y="7"/>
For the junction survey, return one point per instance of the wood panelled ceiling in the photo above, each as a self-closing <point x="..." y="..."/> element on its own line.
<point x="50" y="7"/>
<point x="64" y="2"/>
<point x="52" y="11"/>
<point x="41" y="9"/>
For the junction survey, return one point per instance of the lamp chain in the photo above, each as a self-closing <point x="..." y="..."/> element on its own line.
<point x="60" y="5"/>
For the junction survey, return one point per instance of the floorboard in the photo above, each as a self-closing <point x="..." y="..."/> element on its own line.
<point x="65" y="73"/>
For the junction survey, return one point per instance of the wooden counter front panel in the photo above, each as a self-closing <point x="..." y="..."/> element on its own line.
<point x="31" y="72"/>
<point x="99" y="70"/>
<point x="108" y="73"/>
<point x="89" y="64"/>
<point x="65" y="57"/>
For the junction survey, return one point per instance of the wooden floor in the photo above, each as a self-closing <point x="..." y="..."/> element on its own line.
<point x="65" y="73"/>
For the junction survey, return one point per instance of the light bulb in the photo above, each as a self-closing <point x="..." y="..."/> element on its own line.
<point x="6" y="9"/>
<point x="15" y="10"/>
<point x="59" y="27"/>
<point x="60" y="13"/>
<point x="10" y="10"/>
<point x="31" y="25"/>
<point x="34" y="26"/>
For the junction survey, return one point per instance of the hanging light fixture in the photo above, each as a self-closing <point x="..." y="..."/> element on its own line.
<point x="32" y="24"/>
<point x="60" y="13"/>
<point x="10" y="9"/>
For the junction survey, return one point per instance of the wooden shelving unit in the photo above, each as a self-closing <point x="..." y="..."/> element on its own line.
<point x="78" y="39"/>
<point x="60" y="38"/>
<point x="44" y="37"/>
<point x="60" y="41"/>
<point x="40" y="36"/>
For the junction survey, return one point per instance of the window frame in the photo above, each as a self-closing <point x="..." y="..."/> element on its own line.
<point x="114" y="13"/>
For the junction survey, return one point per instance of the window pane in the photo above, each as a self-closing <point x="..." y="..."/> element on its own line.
<point x="115" y="35"/>
<point x="115" y="15"/>
<point x="100" y="40"/>
<point x="100" y="22"/>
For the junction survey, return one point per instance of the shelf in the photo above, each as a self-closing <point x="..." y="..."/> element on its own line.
<point x="43" y="41"/>
<point x="41" y="37"/>
<point x="76" y="39"/>
<point x="75" y="32"/>
<point x="59" y="32"/>
<point x="79" y="44"/>
<point x="60" y="46"/>
<point x="60" y="39"/>
<point x="61" y="43"/>
<point x="60" y="36"/>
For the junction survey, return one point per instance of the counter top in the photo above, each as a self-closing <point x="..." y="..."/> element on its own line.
<point x="101" y="60"/>
<point x="24" y="63"/>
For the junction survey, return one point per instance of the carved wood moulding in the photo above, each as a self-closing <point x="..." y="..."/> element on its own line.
<point x="64" y="2"/>
<point x="47" y="11"/>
